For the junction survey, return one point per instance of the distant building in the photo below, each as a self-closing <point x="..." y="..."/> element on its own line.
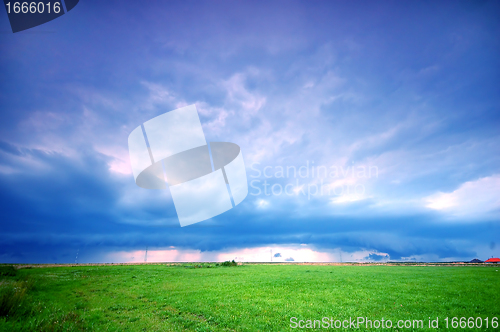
<point x="475" y="260"/>
<point x="493" y="260"/>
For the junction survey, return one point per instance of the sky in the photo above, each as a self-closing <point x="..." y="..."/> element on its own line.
<point x="370" y="131"/>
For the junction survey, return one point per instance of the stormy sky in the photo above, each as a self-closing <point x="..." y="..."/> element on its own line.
<point x="370" y="130"/>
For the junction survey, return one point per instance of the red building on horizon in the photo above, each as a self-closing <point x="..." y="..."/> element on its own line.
<point x="493" y="260"/>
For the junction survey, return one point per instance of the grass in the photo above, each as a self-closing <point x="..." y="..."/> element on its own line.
<point x="193" y="297"/>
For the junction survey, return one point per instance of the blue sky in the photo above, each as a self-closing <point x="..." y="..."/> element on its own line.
<point x="406" y="89"/>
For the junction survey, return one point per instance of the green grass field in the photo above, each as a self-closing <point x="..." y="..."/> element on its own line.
<point x="252" y="297"/>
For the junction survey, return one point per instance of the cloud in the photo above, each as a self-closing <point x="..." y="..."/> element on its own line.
<point x="471" y="200"/>
<point x="376" y="257"/>
<point x="247" y="103"/>
<point x="290" y="86"/>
